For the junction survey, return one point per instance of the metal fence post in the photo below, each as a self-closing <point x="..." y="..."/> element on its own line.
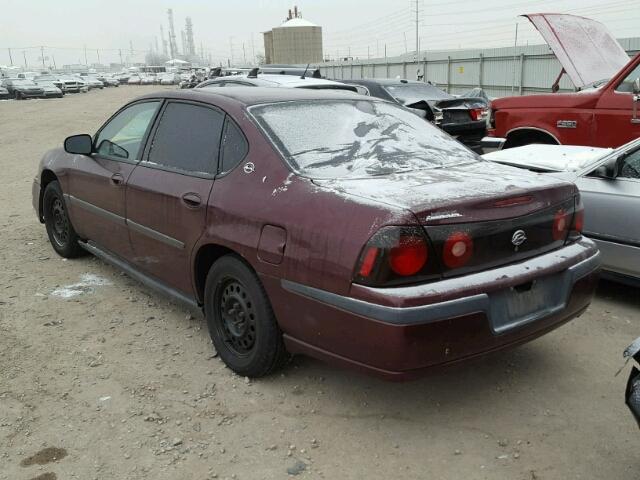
<point x="388" y="69"/>
<point x="480" y="68"/>
<point x="448" y="74"/>
<point x="404" y="69"/>
<point x="520" y="89"/>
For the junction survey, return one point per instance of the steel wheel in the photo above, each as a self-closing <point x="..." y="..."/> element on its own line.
<point x="60" y="222"/>
<point x="237" y="316"/>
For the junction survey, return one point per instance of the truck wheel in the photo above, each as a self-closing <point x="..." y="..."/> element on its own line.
<point x="241" y="322"/>
<point x="62" y="236"/>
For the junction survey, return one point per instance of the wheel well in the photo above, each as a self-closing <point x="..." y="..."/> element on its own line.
<point x="45" y="179"/>
<point x="519" y="138"/>
<point x="206" y="257"/>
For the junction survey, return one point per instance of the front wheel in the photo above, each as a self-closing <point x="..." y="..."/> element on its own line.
<point x="18" y="96"/>
<point x="62" y="236"/>
<point x="241" y="322"/>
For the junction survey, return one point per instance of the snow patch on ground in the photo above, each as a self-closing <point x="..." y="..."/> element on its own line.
<point x="85" y="285"/>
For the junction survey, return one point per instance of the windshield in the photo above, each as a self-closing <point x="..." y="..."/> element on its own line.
<point x="410" y="92"/>
<point x="23" y="82"/>
<point x="336" y="139"/>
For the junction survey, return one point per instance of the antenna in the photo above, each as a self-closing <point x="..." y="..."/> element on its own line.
<point x="305" y="72"/>
<point x="253" y="73"/>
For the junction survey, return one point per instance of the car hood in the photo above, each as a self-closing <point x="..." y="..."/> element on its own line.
<point x="585" y="48"/>
<point x="549" y="158"/>
<point x="463" y="193"/>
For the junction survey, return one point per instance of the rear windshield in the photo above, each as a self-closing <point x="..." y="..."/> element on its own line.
<point x="411" y="92"/>
<point x="356" y="138"/>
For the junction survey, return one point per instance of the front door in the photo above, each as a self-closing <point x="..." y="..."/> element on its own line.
<point x="97" y="183"/>
<point x="611" y="207"/>
<point x="615" y="124"/>
<point x="168" y="191"/>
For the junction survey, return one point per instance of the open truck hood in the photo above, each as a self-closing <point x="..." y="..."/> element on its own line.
<point x="585" y="48"/>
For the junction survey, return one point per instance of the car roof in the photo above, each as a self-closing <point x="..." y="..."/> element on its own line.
<point x="256" y="95"/>
<point x="279" y="79"/>
<point x="384" y="81"/>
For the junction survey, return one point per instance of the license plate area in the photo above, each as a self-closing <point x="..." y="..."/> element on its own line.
<point x="522" y="304"/>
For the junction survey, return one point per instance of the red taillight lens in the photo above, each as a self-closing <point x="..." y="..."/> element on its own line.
<point x="457" y="250"/>
<point x="368" y="261"/>
<point x="478" y="114"/>
<point x="560" y="225"/>
<point x="395" y="256"/>
<point x="409" y="257"/>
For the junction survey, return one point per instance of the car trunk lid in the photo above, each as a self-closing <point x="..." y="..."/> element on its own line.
<point x="489" y="202"/>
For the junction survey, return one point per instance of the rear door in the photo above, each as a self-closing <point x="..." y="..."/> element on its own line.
<point x="611" y="208"/>
<point x="167" y="193"/>
<point x="97" y="182"/>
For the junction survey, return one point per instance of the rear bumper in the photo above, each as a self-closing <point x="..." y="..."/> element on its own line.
<point x="401" y="333"/>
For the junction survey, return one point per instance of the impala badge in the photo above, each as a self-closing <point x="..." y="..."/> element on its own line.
<point x="518" y="238"/>
<point x="249" y="167"/>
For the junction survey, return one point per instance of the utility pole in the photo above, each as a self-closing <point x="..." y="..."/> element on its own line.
<point x="42" y="56"/>
<point x="406" y="49"/>
<point x="385" y="50"/>
<point x="231" y="48"/>
<point x="25" y="58"/>
<point x="53" y="59"/>
<point x="98" y="54"/>
<point x="253" y="50"/>
<point x="244" y="54"/>
<point x="85" y="56"/>
<point x="120" y="52"/>
<point x="417" y="29"/>
<point x="10" y="57"/>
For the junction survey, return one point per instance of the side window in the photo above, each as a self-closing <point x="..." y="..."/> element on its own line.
<point x="188" y="138"/>
<point x="234" y="147"/>
<point x="626" y="86"/>
<point x="214" y="85"/>
<point x="122" y="137"/>
<point x="631" y="166"/>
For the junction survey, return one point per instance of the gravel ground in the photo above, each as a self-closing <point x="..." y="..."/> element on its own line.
<point x="101" y="378"/>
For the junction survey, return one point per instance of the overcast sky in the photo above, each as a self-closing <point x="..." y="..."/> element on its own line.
<point x="362" y="28"/>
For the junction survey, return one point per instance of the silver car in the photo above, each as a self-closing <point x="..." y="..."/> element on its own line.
<point x="609" y="183"/>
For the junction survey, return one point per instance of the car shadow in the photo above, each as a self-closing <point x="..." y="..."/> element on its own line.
<point x="619" y="293"/>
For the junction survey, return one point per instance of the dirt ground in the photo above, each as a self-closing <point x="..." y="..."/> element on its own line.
<point x="101" y="378"/>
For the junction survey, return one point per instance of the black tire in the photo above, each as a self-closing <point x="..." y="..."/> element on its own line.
<point x="62" y="236"/>
<point x="18" y="96"/>
<point x="241" y="322"/>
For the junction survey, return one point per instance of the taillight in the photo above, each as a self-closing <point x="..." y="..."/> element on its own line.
<point x="396" y="255"/>
<point x="577" y="224"/>
<point x="478" y="114"/>
<point x="409" y="256"/>
<point x="457" y="250"/>
<point x="561" y="223"/>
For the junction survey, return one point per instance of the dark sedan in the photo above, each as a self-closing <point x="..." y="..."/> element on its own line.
<point x="322" y="223"/>
<point x="21" y="89"/>
<point x="463" y="118"/>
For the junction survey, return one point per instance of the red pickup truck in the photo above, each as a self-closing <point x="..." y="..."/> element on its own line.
<point x="604" y="110"/>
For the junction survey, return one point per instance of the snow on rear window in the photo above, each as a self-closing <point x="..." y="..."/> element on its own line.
<point x="359" y="138"/>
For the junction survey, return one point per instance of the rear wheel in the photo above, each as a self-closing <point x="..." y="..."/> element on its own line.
<point x="241" y="322"/>
<point x="18" y="96"/>
<point x="62" y="236"/>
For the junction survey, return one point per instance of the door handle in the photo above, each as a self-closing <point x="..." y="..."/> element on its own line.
<point x="117" y="179"/>
<point x="191" y="200"/>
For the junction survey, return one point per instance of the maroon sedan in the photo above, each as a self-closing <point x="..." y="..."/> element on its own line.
<point x="323" y="223"/>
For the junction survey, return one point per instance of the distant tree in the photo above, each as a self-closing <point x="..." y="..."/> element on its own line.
<point x="155" y="58"/>
<point x="260" y="59"/>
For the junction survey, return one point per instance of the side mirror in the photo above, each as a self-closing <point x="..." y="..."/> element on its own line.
<point x="79" y="144"/>
<point x="609" y="170"/>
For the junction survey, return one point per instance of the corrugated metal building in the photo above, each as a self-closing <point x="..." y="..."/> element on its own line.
<point x="296" y="41"/>
<point x="500" y="72"/>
